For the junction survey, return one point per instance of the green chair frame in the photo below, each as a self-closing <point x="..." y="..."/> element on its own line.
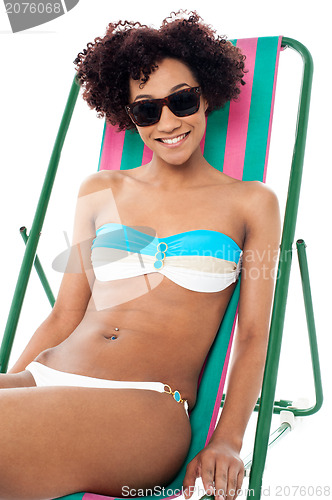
<point x="266" y="406"/>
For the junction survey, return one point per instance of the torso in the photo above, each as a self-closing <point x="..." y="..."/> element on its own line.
<point x="165" y="330"/>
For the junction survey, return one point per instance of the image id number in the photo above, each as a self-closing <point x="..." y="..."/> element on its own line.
<point x="303" y="491"/>
<point x="32" y="8"/>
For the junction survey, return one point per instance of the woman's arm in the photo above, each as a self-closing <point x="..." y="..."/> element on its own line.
<point x="219" y="464"/>
<point x="76" y="285"/>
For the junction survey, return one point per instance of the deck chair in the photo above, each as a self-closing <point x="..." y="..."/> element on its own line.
<point x="237" y="143"/>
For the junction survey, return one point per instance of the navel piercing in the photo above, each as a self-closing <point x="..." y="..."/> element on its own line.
<point x="114" y="337"/>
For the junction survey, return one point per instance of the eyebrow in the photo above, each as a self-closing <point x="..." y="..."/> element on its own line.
<point x="173" y="89"/>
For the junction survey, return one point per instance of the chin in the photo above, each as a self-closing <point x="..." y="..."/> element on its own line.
<point x="176" y="159"/>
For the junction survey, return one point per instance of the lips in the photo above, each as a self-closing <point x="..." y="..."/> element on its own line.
<point x="173" y="140"/>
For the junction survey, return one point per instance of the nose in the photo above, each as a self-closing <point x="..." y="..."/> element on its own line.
<point x="168" y="120"/>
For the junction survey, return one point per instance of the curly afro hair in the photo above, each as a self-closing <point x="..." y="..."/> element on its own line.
<point x="132" y="50"/>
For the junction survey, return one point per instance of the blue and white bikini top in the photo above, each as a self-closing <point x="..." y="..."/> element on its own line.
<point x="202" y="260"/>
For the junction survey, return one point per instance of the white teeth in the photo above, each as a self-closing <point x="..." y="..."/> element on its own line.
<point x="175" y="140"/>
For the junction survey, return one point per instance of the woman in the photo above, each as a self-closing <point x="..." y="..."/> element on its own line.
<point x="114" y="368"/>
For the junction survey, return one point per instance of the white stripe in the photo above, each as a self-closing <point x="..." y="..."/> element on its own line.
<point x="64" y="6"/>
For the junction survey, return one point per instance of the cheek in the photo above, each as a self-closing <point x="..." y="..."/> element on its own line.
<point x="143" y="133"/>
<point x="199" y="121"/>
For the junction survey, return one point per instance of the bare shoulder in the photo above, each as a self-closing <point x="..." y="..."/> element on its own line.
<point x="251" y="195"/>
<point x="98" y="181"/>
<point x="260" y="207"/>
<point x="257" y="195"/>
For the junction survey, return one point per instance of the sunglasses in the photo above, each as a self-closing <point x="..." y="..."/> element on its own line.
<point x="148" y="112"/>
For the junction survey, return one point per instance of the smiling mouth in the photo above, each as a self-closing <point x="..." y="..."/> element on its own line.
<point x="173" y="140"/>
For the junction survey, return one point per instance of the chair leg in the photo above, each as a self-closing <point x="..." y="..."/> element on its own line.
<point x="40" y="270"/>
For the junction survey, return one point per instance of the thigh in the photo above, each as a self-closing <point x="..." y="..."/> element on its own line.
<point x="60" y="440"/>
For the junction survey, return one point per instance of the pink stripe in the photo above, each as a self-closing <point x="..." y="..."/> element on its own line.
<point x="221" y="386"/>
<point x="147" y="155"/>
<point x="112" y="149"/>
<point x="272" y="107"/>
<point x="239" y="115"/>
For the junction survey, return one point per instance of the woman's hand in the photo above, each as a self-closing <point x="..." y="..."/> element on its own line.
<point x="221" y="469"/>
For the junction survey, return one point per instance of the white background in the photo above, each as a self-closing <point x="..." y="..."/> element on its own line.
<point x="36" y="75"/>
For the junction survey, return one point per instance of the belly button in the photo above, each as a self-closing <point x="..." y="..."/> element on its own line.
<point x="113" y="337"/>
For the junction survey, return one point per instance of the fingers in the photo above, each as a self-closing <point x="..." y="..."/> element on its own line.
<point x="199" y="468"/>
<point x="222" y="475"/>
<point x="192" y="472"/>
<point x="239" y="481"/>
<point x="221" y="482"/>
<point x="228" y="481"/>
<point x="208" y="474"/>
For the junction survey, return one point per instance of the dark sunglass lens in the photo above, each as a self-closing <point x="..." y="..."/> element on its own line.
<point x="184" y="103"/>
<point x="146" y="113"/>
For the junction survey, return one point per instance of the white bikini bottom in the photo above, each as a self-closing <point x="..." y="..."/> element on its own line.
<point x="45" y="376"/>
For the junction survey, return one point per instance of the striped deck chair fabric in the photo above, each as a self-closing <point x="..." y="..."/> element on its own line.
<point x="237" y="143"/>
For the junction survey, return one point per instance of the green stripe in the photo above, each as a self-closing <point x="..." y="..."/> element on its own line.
<point x="132" y="151"/>
<point x="260" y="108"/>
<point x="102" y="146"/>
<point x="216" y="132"/>
<point x="215" y="139"/>
<point x="75" y="496"/>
